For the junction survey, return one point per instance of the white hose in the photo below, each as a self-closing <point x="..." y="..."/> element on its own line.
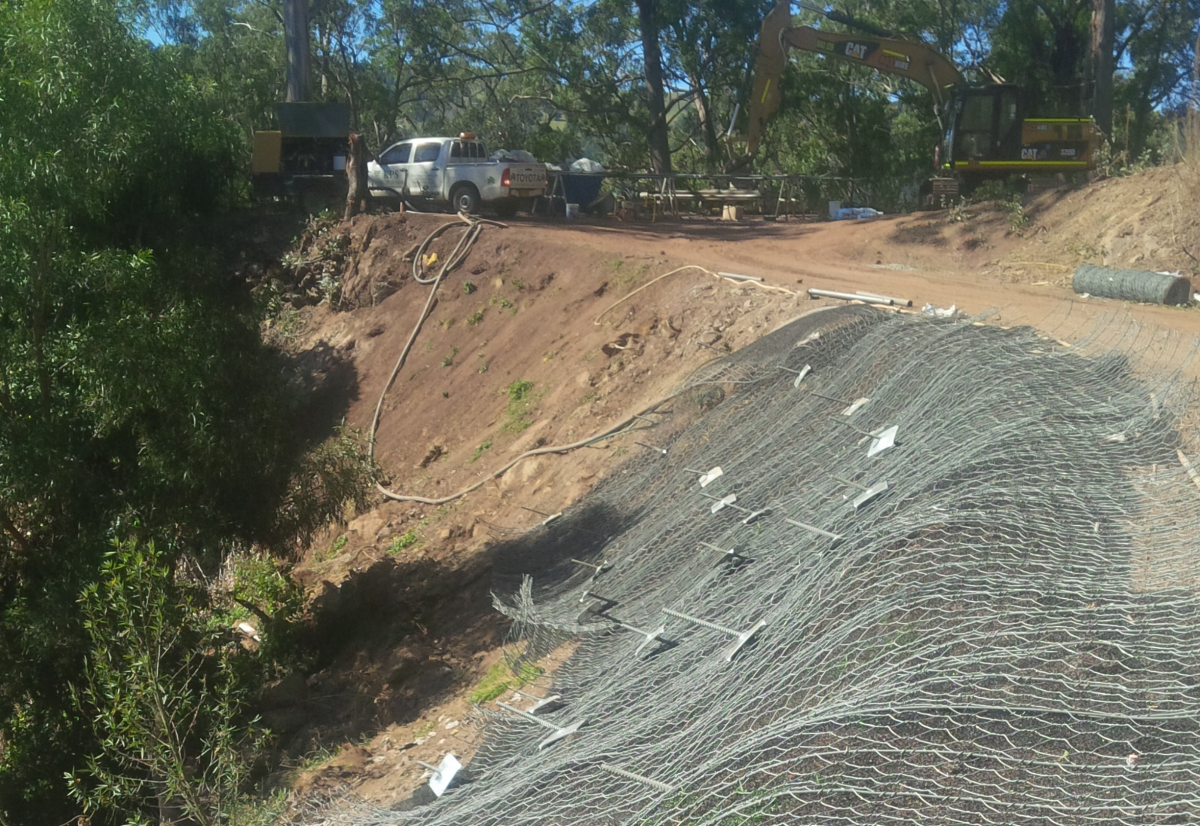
<point x="461" y="250"/>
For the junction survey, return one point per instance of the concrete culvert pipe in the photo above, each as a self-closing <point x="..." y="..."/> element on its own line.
<point x="1132" y="285"/>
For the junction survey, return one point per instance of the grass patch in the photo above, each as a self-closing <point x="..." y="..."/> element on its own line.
<point x="485" y="446"/>
<point x="499" y="679"/>
<point x="449" y="357"/>
<point x="468" y="287"/>
<point x="519" y="391"/>
<point x="404" y="540"/>
<point x="520" y="399"/>
<point x="518" y="283"/>
<point x="475" y="317"/>
<point x="629" y="276"/>
<point x="334" y="550"/>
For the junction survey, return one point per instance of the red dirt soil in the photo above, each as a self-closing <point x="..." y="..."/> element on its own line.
<point x="410" y="583"/>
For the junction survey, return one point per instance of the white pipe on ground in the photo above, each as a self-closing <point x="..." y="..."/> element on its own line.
<point x="813" y="292"/>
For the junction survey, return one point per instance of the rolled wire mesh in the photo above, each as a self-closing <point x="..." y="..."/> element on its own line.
<point x="1006" y="635"/>
<point x="1132" y="285"/>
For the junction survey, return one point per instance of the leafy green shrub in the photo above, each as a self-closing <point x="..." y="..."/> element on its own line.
<point x="163" y="699"/>
<point x="336" y="476"/>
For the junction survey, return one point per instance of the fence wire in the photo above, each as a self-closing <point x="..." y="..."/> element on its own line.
<point x="1006" y="635"/>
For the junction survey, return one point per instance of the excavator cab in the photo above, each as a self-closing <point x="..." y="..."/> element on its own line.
<point x="984" y="124"/>
<point x="989" y="134"/>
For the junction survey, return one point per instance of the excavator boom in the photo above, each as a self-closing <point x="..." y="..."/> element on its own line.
<point x="905" y="58"/>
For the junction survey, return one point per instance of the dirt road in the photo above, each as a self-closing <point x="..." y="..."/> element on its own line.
<point x="878" y="256"/>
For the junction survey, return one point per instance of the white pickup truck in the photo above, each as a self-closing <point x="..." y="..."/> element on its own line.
<point x="454" y="171"/>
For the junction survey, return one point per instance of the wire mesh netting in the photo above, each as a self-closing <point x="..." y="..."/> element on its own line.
<point x="1005" y="634"/>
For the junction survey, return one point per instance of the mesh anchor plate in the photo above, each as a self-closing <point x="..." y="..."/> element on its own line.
<point x="604" y="565"/>
<point x="649" y="637"/>
<point x="598" y="604"/>
<point x="707" y="477"/>
<point x="722" y="503"/>
<point x="882" y="439"/>
<point x="741" y="637"/>
<point x="443" y="773"/>
<point x="558" y="732"/>
<point x="542" y="705"/>
<point x="728" y="554"/>
<point x="730" y="502"/>
<point x="868" y="494"/>
<point x="851" y="407"/>
<point x="854" y="405"/>
<point x="598" y="608"/>
<point x="801" y="375"/>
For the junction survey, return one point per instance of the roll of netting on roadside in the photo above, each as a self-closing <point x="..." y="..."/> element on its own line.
<point x="1132" y="285"/>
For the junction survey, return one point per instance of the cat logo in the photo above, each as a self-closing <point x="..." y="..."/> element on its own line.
<point x="855" y="50"/>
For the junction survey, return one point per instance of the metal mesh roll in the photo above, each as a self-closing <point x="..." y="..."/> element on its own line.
<point x="1132" y="285"/>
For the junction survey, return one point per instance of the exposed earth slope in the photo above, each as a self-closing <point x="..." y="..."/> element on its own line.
<point x="551" y="332"/>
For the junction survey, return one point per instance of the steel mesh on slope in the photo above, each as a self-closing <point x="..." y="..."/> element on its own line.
<point x="1006" y="635"/>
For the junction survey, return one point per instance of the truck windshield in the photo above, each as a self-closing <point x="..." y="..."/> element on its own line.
<point x="397" y="154"/>
<point x="427" y="152"/>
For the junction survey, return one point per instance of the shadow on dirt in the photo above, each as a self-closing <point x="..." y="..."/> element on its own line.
<point x="403" y="634"/>
<point x="926" y="233"/>
<point x="325" y="382"/>
<point x="701" y="229"/>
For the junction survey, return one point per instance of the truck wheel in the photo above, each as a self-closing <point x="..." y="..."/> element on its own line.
<point x="465" y="198"/>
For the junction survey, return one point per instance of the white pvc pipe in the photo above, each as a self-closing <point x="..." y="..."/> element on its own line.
<point x="901" y="301"/>
<point x="866" y="299"/>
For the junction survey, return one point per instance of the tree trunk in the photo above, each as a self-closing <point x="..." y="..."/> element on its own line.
<point x="707" y="126"/>
<point x="1104" y="14"/>
<point x="295" y="35"/>
<point x="656" y="133"/>
<point x="356" y="170"/>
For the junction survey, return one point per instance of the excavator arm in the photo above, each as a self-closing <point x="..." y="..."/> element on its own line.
<point x="905" y="58"/>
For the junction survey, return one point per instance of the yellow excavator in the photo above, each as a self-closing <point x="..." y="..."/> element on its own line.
<point x="989" y="133"/>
